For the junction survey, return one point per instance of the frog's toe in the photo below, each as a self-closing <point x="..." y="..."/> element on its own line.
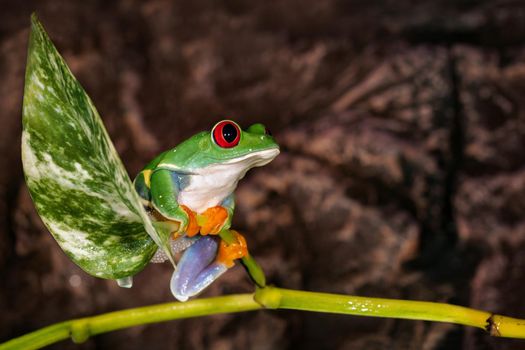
<point x="197" y="268"/>
<point x="229" y="252"/>
<point x="212" y="220"/>
<point x="193" y="227"/>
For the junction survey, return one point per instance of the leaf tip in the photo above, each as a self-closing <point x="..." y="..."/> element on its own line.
<point x="35" y="22"/>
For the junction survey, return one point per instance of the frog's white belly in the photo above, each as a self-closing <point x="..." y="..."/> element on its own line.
<point x="205" y="191"/>
<point x="210" y="185"/>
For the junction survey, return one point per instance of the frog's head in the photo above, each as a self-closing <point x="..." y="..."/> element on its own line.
<point x="228" y="144"/>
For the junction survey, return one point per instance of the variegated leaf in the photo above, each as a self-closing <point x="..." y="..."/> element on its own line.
<point x="76" y="178"/>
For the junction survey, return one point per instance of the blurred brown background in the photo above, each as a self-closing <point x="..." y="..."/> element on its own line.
<point x="402" y="175"/>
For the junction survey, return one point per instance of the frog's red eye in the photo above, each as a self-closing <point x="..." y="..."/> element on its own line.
<point x="226" y="134"/>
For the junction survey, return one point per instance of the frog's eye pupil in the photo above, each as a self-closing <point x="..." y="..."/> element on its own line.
<point x="229" y="132"/>
<point x="226" y="134"/>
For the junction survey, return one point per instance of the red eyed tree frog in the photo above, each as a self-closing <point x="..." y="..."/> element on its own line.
<point x="191" y="187"/>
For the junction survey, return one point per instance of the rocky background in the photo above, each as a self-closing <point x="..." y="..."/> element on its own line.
<point x="402" y="125"/>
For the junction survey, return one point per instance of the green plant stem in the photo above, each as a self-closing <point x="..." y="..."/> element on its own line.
<point x="496" y="325"/>
<point x="81" y="329"/>
<point x="272" y="298"/>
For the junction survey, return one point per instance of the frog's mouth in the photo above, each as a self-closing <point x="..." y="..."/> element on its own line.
<point x="255" y="159"/>
<point x="234" y="169"/>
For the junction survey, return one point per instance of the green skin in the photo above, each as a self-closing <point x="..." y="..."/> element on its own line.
<point x="178" y="169"/>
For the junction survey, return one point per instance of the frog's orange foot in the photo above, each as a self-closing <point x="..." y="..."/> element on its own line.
<point x="212" y="220"/>
<point x="193" y="226"/>
<point x="230" y="252"/>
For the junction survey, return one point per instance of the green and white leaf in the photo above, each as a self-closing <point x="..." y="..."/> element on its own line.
<point x="76" y="179"/>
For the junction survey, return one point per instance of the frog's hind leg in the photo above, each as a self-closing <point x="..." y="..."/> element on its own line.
<point x="197" y="268"/>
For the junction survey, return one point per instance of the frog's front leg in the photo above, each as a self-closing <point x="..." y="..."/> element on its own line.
<point x="218" y="218"/>
<point x="203" y="262"/>
<point x="165" y="188"/>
